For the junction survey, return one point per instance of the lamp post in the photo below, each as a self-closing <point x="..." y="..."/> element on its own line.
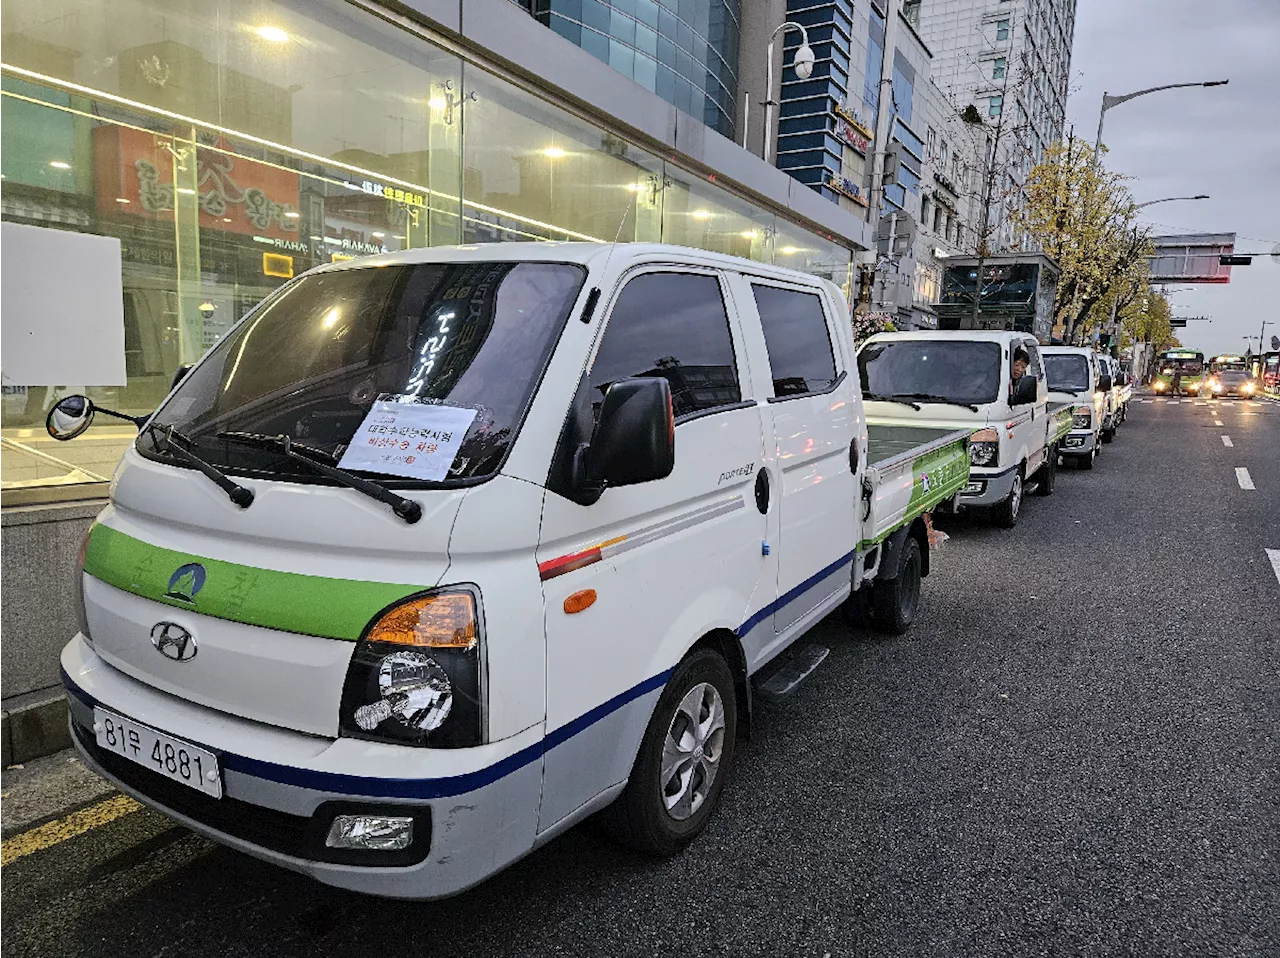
<point x="803" y="64"/>
<point x="1108" y="101"/>
<point x="1171" y="199"/>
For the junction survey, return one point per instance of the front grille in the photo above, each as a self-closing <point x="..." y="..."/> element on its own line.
<point x="294" y="835"/>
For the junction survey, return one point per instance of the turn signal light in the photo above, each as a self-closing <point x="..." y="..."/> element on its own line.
<point x="443" y="621"/>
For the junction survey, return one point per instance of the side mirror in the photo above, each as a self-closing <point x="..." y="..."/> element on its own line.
<point x="635" y="438"/>
<point x="73" y="415"/>
<point x="1105" y="384"/>
<point x="179" y="375"/>
<point x="69" y="417"/>
<point x="1025" y="391"/>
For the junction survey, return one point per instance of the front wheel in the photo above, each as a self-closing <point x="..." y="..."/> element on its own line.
<point x="896" y="600"/>
<point x="683" y="761"/>
<point x="1005" y="515"/>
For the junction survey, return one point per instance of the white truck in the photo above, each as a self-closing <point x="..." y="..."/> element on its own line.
<point x="1075" y="377"/>
<point x="991" y="384"/>
<point x="1113" y="394"/>
<point x="440" y="552"/>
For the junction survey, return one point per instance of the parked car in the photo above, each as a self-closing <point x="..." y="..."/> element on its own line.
<point x="965" y="379"/>
<point x="1073" y="376"/>
<point x="440" y="552"/>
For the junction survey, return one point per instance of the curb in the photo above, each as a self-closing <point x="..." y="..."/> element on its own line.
<point x="34" y="730"/>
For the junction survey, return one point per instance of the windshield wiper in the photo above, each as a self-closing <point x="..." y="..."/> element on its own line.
<point x="164" y="436"/>
<point x="875" y="398"/>
<point x="406" y="509"/>
<point x="926" y="397"/>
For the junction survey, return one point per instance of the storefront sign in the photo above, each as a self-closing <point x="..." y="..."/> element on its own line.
<point x="394" y="193"/>
<point x="134" y="171"/>
<point x="846" y="187"/>
<point x="850" y="115"/>
<point x="851" y="136"/>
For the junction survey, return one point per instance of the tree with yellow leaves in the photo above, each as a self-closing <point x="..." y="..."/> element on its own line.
<point x="1085" y="219"/>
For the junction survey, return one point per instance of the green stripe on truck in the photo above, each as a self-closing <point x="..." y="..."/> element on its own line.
<point x="288" y="601"/>
<point x="947" y="472"/>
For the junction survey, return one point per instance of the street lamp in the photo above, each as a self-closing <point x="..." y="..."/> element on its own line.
<point x="803" y="64"/>
<point x="1108" y="101"/>
<point x="1170" y="199"/>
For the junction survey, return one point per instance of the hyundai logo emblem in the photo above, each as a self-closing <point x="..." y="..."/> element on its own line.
<point x="173" y="641"/>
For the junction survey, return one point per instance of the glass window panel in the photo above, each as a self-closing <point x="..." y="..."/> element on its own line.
<point x="597" y="44"/>
<point x="571" y="30"/>
<point x="667" y="53"/>
<point x="646" y="72"/>
<point x="798" y="248"/>
<point x="667" y="24"/>
<point x="797" y="340"/>
<point x="534" y="171"/>
<point x="647" y="12"/>
<point x="568" y="8"/>
<point x="673" y="326"/>
<point x="622" y="28"/>
<point x="646" y="40"/>
<point x="626" y="6"/>
<point x="666" y="87"/>
<point x="596" y="15"/>
<point x="621" y="57"/>
<point x="703" y="216"/>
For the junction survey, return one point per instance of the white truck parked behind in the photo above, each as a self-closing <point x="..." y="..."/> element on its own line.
<point x="439" y="552"/>
<point x="965" y="379"/>
<point x="1074" y="376"/>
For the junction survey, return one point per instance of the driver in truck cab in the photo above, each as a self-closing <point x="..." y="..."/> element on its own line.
<point x="1021" y="360"/>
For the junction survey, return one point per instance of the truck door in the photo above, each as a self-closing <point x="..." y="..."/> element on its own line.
<point x="1033" y="430"/>
<point x="813" y="421"/>
<point x="667" y="560"/>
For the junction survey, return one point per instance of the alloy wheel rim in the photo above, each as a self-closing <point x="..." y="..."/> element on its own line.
<point x="692" y="750"/>
<point x="1016" y="496"/>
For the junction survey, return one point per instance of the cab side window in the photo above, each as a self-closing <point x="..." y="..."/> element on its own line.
<point x="1035" y="368"/>
<point x="797" y="340"/>
<point x="672" y="325"/>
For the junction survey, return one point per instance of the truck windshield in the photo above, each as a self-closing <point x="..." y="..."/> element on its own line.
<point x="1067" y="373"/>
<point x="960" y="371"/>
<point x="310" y="362"/>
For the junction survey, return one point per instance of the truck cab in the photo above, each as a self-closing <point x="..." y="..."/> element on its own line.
<point x="990" y="383"/>
<point x="1073" y="374"/>
<point x="437" y="553"/>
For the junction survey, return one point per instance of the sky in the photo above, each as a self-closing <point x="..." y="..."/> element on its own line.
<point x="1223" y="141"/>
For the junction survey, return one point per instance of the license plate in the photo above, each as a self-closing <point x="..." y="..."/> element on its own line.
<point x="973" y="487"/>
<point x="168" y="756"/>
<point x="1075" y="440"/>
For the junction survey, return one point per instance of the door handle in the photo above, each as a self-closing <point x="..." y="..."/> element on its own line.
<point x="762" y="491"/>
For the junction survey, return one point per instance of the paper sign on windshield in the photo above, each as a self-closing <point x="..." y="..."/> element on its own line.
<point x="414" y="440"/>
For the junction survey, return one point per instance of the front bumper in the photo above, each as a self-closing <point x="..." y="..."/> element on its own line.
<point x="476" y="815"/>
<point x="1078" y="442"/>
<point x="987" y="486"/>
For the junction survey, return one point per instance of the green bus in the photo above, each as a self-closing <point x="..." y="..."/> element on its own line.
<point x="1188" y="363"/>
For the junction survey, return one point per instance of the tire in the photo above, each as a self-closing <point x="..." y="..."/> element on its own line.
<point x="1005" y="515"/>
<point x="896" y="600"/>
<point x="642" y="817"/>
<point x="1086" y="462"/>
<point x="1108" y="434"/>
<point x="1047" y="476"/>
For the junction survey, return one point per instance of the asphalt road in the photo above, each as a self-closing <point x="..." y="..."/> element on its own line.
<point x="1074" y="752"/>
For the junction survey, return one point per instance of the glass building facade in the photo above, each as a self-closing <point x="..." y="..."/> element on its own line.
<point x="686" y="51"/>
<point x="231" y="144"/>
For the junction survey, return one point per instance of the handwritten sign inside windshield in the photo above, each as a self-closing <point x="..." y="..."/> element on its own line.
<point x="414" y="440"/>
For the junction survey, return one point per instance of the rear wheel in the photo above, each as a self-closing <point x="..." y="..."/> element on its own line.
<point x="1086" y="461"/>
<point x="683" y="760"/>
<point x="1048" y="474"/>
<point x="1005" y="515"/>
<point x="896" y="600"/>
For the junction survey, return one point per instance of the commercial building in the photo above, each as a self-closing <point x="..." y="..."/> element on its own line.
<point x="224" y="147"/>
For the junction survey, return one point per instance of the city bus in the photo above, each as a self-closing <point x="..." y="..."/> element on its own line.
<point x="1185" y="361"/>
<point x="1219" y="363"/>
<point x="1271" y="373"/>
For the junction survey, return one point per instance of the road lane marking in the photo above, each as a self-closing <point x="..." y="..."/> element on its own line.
<point x="1242" y="477"/>
<point x="1226" y="441"/>
<point x="55" y="832"/>
<point x="1217" y="422"/>
<point x="1274" y="556"/>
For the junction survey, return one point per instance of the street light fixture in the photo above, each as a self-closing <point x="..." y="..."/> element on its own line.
<point x="803" y="64"/>
<point x="1171" y="199"/>
<point x="1108" y="101"/>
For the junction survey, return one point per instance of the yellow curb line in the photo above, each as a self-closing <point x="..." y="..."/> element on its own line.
<point x="52" y="833"/>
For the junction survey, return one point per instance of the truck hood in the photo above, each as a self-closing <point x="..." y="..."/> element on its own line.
<point x="272" y="598"/>
<point x="937" y="415"/>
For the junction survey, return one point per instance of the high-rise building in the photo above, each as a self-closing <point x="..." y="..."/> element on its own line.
<point x="1011" y="61"/>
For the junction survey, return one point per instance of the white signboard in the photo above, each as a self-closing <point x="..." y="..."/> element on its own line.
<point x="410" y="439"/>
<point x="61" y="308"/>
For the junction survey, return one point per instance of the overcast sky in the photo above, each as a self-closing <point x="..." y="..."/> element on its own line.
<point x="1223" y="141"/>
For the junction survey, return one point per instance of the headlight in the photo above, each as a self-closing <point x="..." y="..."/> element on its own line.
<point x="1160" y="387"/>
<point x="984" y="447"/>
<point x="415" y="675"/>
<point x="1217" y="387"/>
<point x="1247" y="387"/>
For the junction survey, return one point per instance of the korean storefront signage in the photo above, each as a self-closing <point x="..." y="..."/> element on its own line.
<point x="393" y="193"/>
<point x="134" y="172"/>
<point x="851" y="136"/>
<point x="851" y="116"/>
<point x="846" y="187"/>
